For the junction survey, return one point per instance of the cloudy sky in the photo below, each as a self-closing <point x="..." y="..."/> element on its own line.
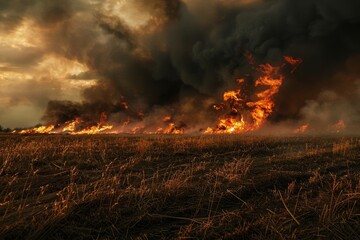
<point x="161" y="52"/>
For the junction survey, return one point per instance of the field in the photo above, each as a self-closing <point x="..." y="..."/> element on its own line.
<point x="183" y="187"/>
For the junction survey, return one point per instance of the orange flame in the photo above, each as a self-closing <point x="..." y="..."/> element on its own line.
<point x="294" y="62"/>
<point x="71" y="125"/>
<point x="167" y="118"/>
<point x="244" y="113"/>
<point x="268" y="83"/>
<point x="302" y="128"/>
<point x="41" y="129"/>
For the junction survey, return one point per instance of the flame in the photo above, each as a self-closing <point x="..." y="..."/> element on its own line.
<point x="172" y="129"/>
<point x="294" y="62"/>
<point x="239" y="113"/>
<point x="71" y="125"/>
<point x="232" y="95"/>
<point x="302" y="128"/>
<point x="218" y="107"/>
<point x="136" y="130"/>
<point x="269" y="83"/>
<point x="94" y="129"/>
<point x="41" y="129"/>
<point x="228" y="125"/>
<point x="167" y="118"/>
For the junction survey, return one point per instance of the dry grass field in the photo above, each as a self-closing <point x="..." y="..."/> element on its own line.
<point x="182" y="187"/>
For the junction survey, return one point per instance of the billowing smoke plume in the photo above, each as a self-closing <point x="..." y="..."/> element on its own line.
<point x="179" y="56"/>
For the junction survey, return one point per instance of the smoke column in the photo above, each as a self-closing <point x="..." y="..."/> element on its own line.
<point x="178" y="57"/>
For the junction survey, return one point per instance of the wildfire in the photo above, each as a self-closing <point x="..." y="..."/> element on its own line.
<point x="239" y="111"/>
<point x="94" y="129"/>
<point x="257" y="111"/>
<point x="172" y="129"/>
<point x="41" y="129"/>
<point x="71" y="125"/>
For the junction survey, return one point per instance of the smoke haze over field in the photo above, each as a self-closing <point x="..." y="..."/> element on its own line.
<point x="65" y="59"/>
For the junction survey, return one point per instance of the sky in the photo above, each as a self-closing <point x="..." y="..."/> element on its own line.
<point x="87" y="54"/>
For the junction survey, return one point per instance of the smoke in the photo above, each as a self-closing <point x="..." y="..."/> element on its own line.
<point x="331" y="112"/>
<point x="181" y="55"/>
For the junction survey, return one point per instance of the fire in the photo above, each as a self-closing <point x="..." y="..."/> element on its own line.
<point x="264" y="106"/>
<point x="232" y="95"/>
<point x="41" y="129"/>
<point x="167" y="118"/>
<point x="294" y="62"/>
<point x="228" y="125"/>
<point x="302" y="128"/>
<point x="94" y="129"/>
<point x="71" y="125"/>
<point x="268" y="85"/>
<point x="172" y="129"/>
<point x="239" y="111"/>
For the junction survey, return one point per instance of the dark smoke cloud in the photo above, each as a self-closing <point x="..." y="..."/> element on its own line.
<point x="184" y="53"/>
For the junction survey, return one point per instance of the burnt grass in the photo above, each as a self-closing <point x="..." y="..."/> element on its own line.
<point x="182" y="187"/>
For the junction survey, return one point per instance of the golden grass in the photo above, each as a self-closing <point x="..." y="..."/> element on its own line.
<point x="184" y="187"/>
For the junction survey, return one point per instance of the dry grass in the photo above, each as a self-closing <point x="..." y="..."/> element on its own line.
<point x="185" y="187"/>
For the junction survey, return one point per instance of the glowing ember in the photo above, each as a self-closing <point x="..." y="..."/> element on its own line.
<point x="123" y="103"/>
<point x="294" y="62"/>
<point x="167" y="118"/>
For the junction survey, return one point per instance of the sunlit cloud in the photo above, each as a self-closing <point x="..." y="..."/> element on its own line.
<point x="26" y="35"/>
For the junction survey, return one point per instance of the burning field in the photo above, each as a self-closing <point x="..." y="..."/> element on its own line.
<point x="179" y="67"/>
<point x="163" y="119"/>
<point x="237" y="113"/>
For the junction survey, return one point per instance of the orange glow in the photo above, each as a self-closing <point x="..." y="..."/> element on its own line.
<point x="232" y="95"/>
<point x="218" y="107"/>
<point x="238" y="111"/>
<point x="228" y="125"/>
<point x="339" y="126"/>
<point x="302" y="128"/>
<point x="172" y="129"/>
<point x="71" y="125"/>
<point x="294" y="62"/>
<point x="167" y="118"/>
<point x="94" y="130"/>
<point x="257" y="111"/>
<point x="41" y="129"/>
